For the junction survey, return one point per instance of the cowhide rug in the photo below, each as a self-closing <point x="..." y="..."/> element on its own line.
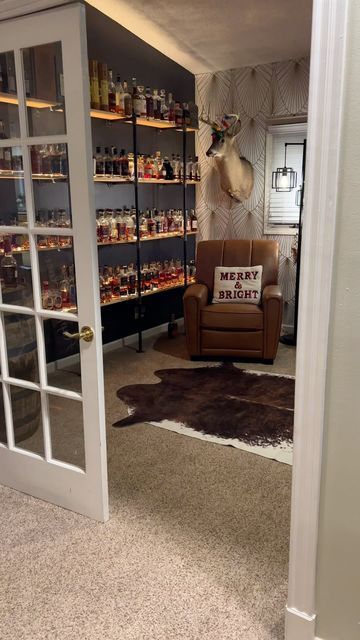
<point x="224" y="404"/>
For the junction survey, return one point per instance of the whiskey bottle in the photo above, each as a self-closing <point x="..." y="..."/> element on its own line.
<point x="127" y="100"/>
<point x="8" y="265"/>
<point x="104" y="87"/>
<point x="156" y="104"/>
<point x="124" y="164"/>
<point x="149" y="104"/>
<point x="119" y="97"/>
<point x="3" y="135"/>
<point x="108" y="162"/>
<point x="136" y="99"/>
<point x="171" y="105"/>
<point x="99" y="165"/>
<point x="142" y="100"/>
<point x="112" y="92"/>
<point x="178" y="114"/>
<point x="164" y="110"/>
<point x="116" y="162"/>
<point x="94" y="84"/>
<point x="193" y="219"/>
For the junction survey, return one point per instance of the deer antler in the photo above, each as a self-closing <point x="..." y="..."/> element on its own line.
<point x="214" y="125"/>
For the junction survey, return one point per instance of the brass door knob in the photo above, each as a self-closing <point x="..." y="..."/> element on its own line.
<point x="86" y="334"/>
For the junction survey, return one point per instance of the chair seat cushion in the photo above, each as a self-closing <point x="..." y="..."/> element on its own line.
<point x="241" y="316"/>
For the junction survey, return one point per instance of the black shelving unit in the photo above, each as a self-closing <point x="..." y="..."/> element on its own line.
<point x="139" y="310"/>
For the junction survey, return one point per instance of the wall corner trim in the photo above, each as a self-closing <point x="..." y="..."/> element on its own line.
<point x="299" y="625"/>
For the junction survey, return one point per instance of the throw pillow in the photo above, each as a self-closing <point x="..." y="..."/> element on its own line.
<point x="238" y="284"/>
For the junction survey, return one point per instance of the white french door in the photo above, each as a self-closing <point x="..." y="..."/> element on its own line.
<point x="52" y="422"/>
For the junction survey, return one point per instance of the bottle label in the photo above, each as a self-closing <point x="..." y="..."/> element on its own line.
<point x="94" y="92"/>
<point x="104" y="94"/>
<point x="194" y="225"/>
<point x="138" y="106"/>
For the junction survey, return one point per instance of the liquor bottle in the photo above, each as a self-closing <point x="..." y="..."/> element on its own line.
<point x="149" y="104"/>
<point x="119" y="97"/>
<point x="72" y="286"/>
<point x="164" y="110"/>
<point x="167" y="171"/>
<point x="186" y="114"/>
<point x="7" y="159"/>
<point x="188" y="221"/>
<point x="11" y="82"/>
<point x="121" y="225"/>
<point x="64" y="287"/>
<point x="179" y="165"/>
<point x="140" y="167"/>
<point x="131" y="165"/>
<point x="159" y="227"/>
<point x="99" y="165"/>
<point x="189" y="169"/>
<point x="112" y="92"/>
<point x="193" y="220"/>
<point x="173" y="165"/>
<point x="149" y="168"/>
<point x="94" y="84"/>
<point x="127" y="100"/>
<point x="16" y="160"/>
<point x="104" y="87"/>
<point x="8" y="265"/>
<point x="151" y="224"/>
<point x="178" y="114"/>
<point x="142" y="99"/>
<point x="108" y="162"/>
<point x="113" y="227"/>
<point x="143" y="225"/>
<point x="157" y="171"/>
<point x="116" y="162"/>
<point x="3" y="135"/>
<point x="171" y="105"/>
<point x="136" y="99"/>
<point x="165" y="222"/>
<point x="47" y="301"/>
<point x="130" y="226"/>
<point x="124" y="164"/>
<point x="156" y="104"/>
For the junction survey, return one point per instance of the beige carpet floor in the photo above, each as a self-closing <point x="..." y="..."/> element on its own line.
<point x="196" y="547"/>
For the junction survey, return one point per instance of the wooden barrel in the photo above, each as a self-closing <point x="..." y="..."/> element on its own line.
<point x="23" y="365"/>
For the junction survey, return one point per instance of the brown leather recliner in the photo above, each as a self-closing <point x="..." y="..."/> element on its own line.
<point x="234" y="329"/>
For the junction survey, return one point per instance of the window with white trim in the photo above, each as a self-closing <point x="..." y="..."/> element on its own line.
<point x="281" y="215"/>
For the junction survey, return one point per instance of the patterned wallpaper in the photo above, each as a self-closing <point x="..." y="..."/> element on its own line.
<point x="256" y="94"/>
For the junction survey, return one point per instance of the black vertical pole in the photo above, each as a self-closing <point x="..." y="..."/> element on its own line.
<point x="290" y="339"/>
<point x="138" y="253"/>
<point x="297" y="286"/>
<point x="184" y="205"/>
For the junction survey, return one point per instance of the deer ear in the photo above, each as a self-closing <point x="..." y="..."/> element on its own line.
<point x="232" y="124"/>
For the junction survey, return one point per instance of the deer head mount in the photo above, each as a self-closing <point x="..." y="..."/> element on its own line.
<point x="236" y="173"/>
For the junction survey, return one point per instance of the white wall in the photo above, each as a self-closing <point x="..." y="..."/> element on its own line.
<point x="338" y="576"/>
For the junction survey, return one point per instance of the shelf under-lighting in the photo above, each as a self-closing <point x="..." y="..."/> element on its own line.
<point x="144" y="294"/>
<point x="115" y="243"/>
<point x="122" y="180"/>
<point x="36" y="103"/>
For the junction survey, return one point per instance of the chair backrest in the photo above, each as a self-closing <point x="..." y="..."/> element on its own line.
<point x="237" y="253"/>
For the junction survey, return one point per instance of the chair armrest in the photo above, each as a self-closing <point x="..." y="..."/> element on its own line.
<point x="272" y="302"/>
<point x="198" y="291"/>
<point x="271" y="291"/>
<point x="195" y="298"/>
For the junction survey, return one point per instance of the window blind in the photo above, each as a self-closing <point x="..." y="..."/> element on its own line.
<point x="283" y="208"/>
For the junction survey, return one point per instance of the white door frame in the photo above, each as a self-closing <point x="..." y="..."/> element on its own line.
<point x="63" y="484"/>
<point x="322" y="172"/>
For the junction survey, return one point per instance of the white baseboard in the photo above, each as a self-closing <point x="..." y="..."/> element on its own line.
<point x="299" y="625"/>
<point x="70" y="361"/>
<point x="287" y="328"/>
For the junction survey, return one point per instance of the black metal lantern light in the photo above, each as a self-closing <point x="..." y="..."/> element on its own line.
<point x="284" y="179"/>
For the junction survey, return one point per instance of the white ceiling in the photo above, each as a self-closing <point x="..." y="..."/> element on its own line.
<point x="208" y="35"/>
